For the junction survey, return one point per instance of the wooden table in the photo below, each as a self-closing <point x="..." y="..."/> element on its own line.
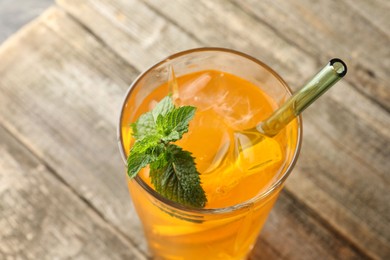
<point x="63" y="193"/>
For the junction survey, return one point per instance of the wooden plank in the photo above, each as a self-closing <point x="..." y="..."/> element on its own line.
<point x="131" y="29"/>
<point x="366" y="116"/>
<point x="219" y="23"/>
<point x="336" y="28"/>
<point x="345" y="194"/>
<point x="41" y="218"/>
<point x="293" y="233"/>
<point x="61" y="91"/>
<point x="375" y="12"/>
<point x="348" y="134"/>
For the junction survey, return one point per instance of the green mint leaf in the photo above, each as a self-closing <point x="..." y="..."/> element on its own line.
<point x="143" y="152"/>
<point x="137" y="161"/>
<point x="179" y="180"/>
<point x="145" y="125"/>
<point x="147" y="142"/>
<point x="175" y="123"/>
<point x="163" y="107"/>
<point x="172" y="170"/>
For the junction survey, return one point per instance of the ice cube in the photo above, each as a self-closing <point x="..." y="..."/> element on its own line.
<point x="208" y="139"/>
<point x="254" y="156"/>
<point x="193" y="93"/>
<point x="243" y="159"/>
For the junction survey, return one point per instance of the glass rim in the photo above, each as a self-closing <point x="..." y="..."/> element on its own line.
<point x="229" y="209"/>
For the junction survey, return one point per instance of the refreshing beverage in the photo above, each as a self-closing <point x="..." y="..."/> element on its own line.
<point x="241" y="177"/>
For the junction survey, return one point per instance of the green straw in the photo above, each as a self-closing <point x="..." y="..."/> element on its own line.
<point x="296" y="104"/>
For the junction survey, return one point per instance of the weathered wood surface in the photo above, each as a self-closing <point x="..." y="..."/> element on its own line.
<point x="13" y="15"/>
<point x="42" y="218"/>
<point x="63" y="77"/>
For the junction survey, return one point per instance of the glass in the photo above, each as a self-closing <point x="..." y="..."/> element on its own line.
<point x="174" y="231"/>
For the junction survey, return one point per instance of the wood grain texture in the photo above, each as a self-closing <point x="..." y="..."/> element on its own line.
<point x="68" y="72"/>
<point x="71" y="123"/>
<point x="40" y="218"/>
<point x="375" y="12"/>
<point x="341" y="119"/>
<point x="293" y="232"/>
<point x="342" y="29"/>
<point x="131" y="29"/>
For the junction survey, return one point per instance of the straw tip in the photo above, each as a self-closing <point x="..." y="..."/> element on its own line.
<point x="339" y="66"/>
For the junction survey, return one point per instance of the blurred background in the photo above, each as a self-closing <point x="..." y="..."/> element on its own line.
<point x="15" y="14"/>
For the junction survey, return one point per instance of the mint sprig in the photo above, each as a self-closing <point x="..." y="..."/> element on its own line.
<point x="172" y="170"/>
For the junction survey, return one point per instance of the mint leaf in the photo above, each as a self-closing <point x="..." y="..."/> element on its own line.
<point x="145" y="125"/>
<point x="163" y="107"/>
<point x="147" y="142"/>
<point x="172" y="170"/>
<point x="143" y="152"/>
<point x="136" y="162"/>
<point x="175" y="123"/>
<point x="179" y="180"/>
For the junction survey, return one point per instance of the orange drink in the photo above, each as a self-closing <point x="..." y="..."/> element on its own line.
<point x="241" y="178"/>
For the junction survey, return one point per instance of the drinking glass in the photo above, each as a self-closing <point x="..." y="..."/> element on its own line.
<point x="174" y="231"/>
